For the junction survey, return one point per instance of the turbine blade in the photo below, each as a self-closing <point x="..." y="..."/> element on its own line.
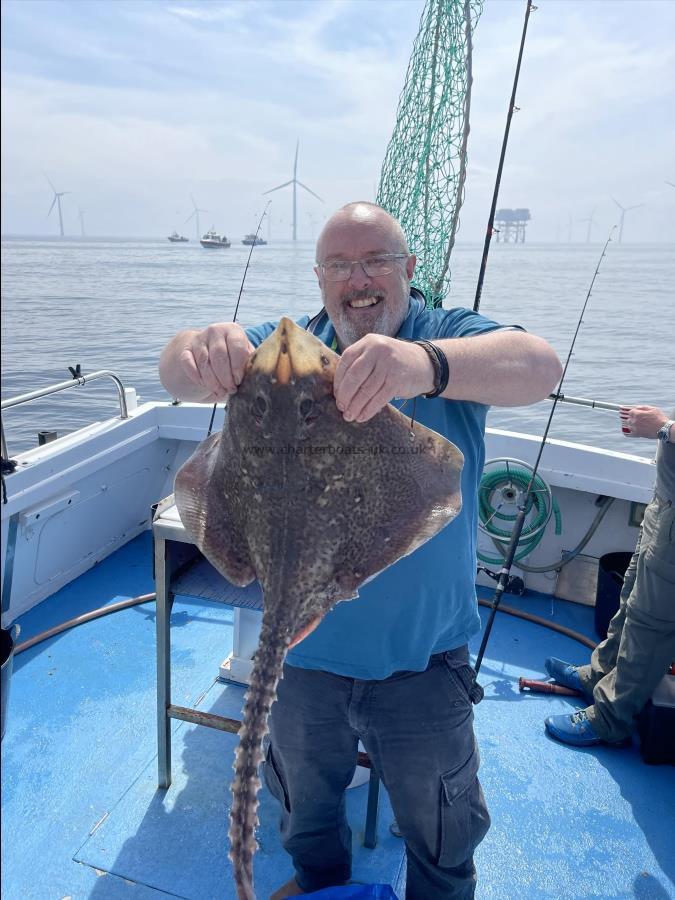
<point x="52" y="206"/>
<point x="311" y="192"/>
<point x="618" y="204"/>
<point x="278" y="188"/>
<point x="193" y="201"/>
<point x="191" y="216"/>
<point x="50" y="184"/>
<point x="295" y="164"/>
<point x="637" y="206"/>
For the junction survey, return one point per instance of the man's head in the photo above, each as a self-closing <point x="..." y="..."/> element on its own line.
<point x="368" y="297"/>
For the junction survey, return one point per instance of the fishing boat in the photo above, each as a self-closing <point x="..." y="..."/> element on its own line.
<point x="101" y="774"/>
<point x="122" y="646"/>
<point x="213" y="239"/>
<point x="176" y="238"/>
<point x="252" y="240"/>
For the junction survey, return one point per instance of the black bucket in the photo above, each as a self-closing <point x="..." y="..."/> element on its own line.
<point x="7" y="640"/>
<point x="611" y="569"/>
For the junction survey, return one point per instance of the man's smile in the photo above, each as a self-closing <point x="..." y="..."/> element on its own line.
<point x="361" y="304"/>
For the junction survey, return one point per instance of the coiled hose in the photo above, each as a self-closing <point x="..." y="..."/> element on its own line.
<point x="511" y="481"/>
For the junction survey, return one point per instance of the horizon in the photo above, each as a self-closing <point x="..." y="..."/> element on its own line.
<point x="134" y="107"/>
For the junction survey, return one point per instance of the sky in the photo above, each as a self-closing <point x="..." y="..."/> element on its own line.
<point x="134" y="106"/>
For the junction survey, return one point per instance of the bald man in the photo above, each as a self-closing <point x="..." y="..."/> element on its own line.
<point x="391" y="669"/>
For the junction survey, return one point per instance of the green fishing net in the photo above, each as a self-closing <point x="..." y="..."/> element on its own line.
<point x="423" y="174"/>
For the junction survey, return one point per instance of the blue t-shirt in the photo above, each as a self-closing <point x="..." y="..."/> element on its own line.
<point x="426" y="602"/>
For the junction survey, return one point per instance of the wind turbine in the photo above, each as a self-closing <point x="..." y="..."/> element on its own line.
<point x="80" y="213"/>
<point x="591" y="222"/>
<point x="56" y="202"/>
<point x="624" y="210"/>
<point x="294" y="181"/>
<point x="195" y="214"/>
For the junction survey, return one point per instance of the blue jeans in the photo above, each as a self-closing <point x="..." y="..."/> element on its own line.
<point x="418" y="730"/>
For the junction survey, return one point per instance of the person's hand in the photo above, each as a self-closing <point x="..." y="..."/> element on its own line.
<point x="641" y="421"/>
<point x="216" y="358"/>
<point x="374" y="370"/>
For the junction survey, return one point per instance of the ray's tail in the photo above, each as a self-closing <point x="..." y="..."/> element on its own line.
<point x="267" y="666"/>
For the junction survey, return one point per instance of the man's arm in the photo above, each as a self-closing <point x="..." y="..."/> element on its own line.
<point x="205" y="366"/>
<point x="500" y="368"/>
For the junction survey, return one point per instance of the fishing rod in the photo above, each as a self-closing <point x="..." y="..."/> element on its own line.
<point x="241" y="288"/>
<point x="512" y="108"/>
<point x="524" y="505"/>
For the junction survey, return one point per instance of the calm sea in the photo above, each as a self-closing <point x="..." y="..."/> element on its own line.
<point x="112" y="304"/>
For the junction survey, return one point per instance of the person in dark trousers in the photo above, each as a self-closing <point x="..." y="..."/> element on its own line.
<point x="391" y="668"/>
<point x="628" y="665"/>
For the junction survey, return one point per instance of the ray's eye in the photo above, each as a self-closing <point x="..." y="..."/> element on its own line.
<point x="259" y="406"/>
<point x="308" y="409"/>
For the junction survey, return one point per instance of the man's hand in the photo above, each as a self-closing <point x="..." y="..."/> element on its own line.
<point x="641" y="421"/>
<point x="206" y="365"/>
<point x="374" y="370"/>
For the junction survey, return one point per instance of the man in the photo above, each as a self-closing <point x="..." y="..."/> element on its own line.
<point x="392" y="667"/>
<point x="628" y="665"/>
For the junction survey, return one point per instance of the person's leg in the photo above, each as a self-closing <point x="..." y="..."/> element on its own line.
<point x="603" y="658"/>
<point x="418" y="730"/>
<point x="647" y="643"/>
<point x="309" y="763"/>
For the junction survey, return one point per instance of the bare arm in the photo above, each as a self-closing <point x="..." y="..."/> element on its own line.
<point x="205" y="366"/>
<point x="501" y="368"/>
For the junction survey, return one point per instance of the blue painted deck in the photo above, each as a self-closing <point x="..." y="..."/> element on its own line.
<point x="82" y="816"/>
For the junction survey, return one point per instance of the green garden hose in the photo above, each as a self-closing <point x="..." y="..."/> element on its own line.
<point x="506" y="484"/>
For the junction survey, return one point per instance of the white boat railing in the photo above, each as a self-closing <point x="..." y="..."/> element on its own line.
<point x="75" y="381"/>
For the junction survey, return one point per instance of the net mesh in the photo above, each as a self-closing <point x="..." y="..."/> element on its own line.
<point x="424" y="169"/>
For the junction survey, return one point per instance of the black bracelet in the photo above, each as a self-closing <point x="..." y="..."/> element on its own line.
<point x="441" y="368"/>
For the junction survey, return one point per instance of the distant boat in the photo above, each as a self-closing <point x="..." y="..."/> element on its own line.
<point x="176" y="238"/>
<point x="213" y="239"/>
<point x="252" y="240"/>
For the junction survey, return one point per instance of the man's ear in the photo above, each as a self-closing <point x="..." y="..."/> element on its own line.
<point x="411" y="262"/>
<point x="317" y="270"/>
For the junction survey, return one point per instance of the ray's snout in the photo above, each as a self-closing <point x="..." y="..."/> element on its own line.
<point x="290" y="353"/>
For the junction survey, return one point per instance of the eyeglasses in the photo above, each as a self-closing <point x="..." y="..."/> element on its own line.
<point x="373" y="266"/>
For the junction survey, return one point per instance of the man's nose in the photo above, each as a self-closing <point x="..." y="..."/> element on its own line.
<point x="358" y="278"/>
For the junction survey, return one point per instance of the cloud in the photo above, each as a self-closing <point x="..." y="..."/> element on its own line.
<point x="134" y="106"/>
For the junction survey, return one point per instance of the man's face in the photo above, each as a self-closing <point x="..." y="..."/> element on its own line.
<point x="364" y="304"/>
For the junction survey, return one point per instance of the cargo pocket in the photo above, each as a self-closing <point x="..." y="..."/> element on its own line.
<point x="463" y="676"/>
<point x="274" y="781"/>
<point x="659" y="535"/>
<point x="464" y="816"/>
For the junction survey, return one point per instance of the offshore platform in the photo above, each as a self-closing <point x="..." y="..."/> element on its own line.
<point x="510" y="224"/>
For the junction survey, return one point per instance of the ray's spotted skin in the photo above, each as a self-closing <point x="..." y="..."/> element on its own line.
<point x="313" y="507"/>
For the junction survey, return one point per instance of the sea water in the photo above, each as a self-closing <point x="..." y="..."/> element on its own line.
<point x="113" y="304"/>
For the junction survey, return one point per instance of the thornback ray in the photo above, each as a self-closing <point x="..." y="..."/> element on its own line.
<point x="313" y="507"/>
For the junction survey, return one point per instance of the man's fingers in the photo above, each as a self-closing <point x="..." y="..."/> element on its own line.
<point x="377" y="403"/>
<point x="239" y="348"/>
<point x="353" y="377"/>
<point x="371" y="399"/>
<point x="189" y="365"/>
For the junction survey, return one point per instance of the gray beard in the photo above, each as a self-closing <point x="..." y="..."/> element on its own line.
<point x="387" y="323"/>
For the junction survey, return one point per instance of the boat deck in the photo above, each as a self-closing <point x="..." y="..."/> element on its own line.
<point x="82" y="815"/>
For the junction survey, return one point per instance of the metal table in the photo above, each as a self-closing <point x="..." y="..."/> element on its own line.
<point x="180" y="568"/>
